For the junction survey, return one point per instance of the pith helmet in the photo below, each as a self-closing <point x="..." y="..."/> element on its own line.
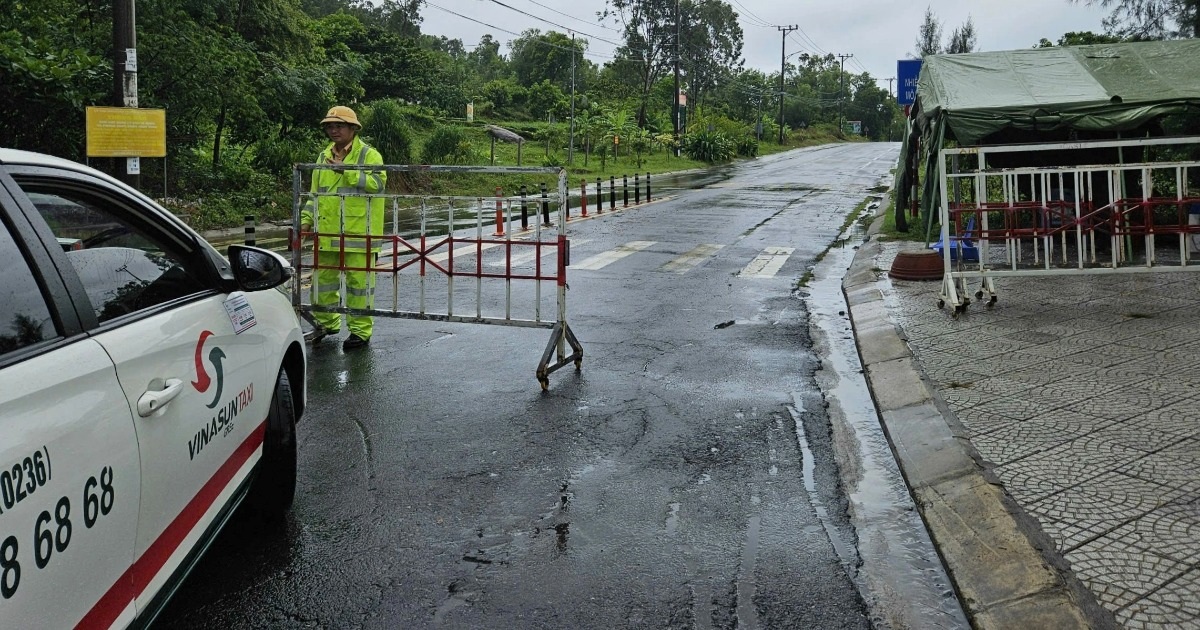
<point x="341" y="113"/>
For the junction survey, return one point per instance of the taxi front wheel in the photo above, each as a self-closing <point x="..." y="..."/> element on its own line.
<point x="274" y="487"/>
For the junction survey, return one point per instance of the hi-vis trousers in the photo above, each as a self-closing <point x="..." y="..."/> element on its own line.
<point x="360" y="294"/>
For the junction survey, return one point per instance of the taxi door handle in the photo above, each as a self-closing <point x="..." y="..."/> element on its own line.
<point x="153" y="402"/>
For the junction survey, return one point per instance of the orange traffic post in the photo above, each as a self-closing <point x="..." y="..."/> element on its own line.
<point x="499" y="213"/>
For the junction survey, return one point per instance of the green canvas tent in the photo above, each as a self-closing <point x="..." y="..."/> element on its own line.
<point x="1045" y="94"/>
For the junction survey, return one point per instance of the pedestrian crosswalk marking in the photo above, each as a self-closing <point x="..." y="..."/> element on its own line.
<point x="601" y="260"/>
<point x="692" y="258"/>
<point x="459" y="252"/>
<point x="768" y="263"/>
<point x="466" y="250"/>
<point x="530" y="252"/>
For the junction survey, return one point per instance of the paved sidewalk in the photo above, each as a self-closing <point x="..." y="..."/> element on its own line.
<point x="1053" y="439"/>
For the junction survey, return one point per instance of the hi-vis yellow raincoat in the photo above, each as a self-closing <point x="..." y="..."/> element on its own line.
<point x="344" y="218"/>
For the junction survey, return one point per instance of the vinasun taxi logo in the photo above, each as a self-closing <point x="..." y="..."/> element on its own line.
<point x="221" y="423"/>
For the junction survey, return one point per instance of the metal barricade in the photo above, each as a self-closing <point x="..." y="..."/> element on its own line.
<point x="1096" y="216"/>
<point x="430" y="244"/>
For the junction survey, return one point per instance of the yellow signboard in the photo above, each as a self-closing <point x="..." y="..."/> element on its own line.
<point x="126" y="132"/>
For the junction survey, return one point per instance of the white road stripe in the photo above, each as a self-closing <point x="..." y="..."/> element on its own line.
<point x="460" y="252"/>
<point x="530" y="252"/>
<point x="691" y="259"/>
<point x="768" y="263"/>
<point x="601" y="260"/>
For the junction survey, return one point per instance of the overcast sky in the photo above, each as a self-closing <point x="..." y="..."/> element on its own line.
<point x="876" y="32"/>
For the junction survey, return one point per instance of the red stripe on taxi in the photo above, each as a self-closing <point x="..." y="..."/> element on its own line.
<point x="136" y="578"/>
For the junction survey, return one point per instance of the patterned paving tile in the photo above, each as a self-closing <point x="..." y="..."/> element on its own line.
<point x="1002" y="385"/>
<point x="1175" y="466"/>
<point x="1150" y="432"/>
<point x="1022" y="406"/>
<point x="1119" y="575"/>
<point x="1120" y="403"/>
<point x="1162" y="338"/>
<point x="1012" y="441"/>
<point x="1096" y="507"/>
<point x="1039" y="476"/>
<point x="1178" y="387"/>
<point x="960" y="398"/>
<point x="944" y="375"/>
<point x="1084" y="392"/>
<point x="1174" y="606"/>
<point x="1172" y="530"/>
<point x="1067" y="345"/>
<point x="979" y="421"/>
<point x="1076" y="392"/>
<point x="1010" y="362"/>
<point x="1112" y="365"/>
<point x="934" y="354"/>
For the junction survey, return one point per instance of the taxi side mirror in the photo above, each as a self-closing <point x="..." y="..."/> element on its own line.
<point x="257" y="269"/>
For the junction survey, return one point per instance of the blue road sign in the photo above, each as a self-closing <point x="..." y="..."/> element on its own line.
<point x="907" y="71"/>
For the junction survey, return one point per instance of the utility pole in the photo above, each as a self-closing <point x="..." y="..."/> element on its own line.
<point x="782" y="70"/>
<point x="889" y="80"/>
<point x="125" y="76"/>
<point x="842" y="88"/>
<point x="678" y="19"/>
<point x="571" y="145"/>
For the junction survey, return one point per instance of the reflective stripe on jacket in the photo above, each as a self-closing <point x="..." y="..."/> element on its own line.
<point x="345" y="194"/>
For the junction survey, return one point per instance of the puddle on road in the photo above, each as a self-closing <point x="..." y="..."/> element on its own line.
<point x="900" y="576"/>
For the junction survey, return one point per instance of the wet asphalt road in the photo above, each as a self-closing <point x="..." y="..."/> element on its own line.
<point x="662" y="486"/>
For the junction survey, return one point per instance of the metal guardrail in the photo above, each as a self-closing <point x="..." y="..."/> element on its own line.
<point x="427" y="256"/>
<point x="1086" y="218"/>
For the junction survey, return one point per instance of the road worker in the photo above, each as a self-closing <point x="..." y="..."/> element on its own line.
<point x="345" y="218"/>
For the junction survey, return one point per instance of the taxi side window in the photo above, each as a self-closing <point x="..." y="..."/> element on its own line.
<point x="123" y="267"/>
<point x="24" y="316"/>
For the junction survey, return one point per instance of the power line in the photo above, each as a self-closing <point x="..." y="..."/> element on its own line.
<point x="812" y="41"/>
<point x="601" y="25"/>
<point x="761" y="21"/>
<point x="504" y="30"/>
<point x="565" y="28"/>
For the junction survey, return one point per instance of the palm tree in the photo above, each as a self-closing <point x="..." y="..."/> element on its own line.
<point x="615" y="123"/>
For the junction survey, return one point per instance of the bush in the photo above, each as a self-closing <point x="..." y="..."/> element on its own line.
<point x="708" y="146"/>
<point x="386" y="129"/>
<point x="447" y="145"/>
<point x="278" y="155"/>
<point x="747" y="146"/>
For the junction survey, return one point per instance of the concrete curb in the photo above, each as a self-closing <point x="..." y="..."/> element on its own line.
<point x="1003" y="576"/>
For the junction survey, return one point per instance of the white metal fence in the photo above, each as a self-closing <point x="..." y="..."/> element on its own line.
<point x="1103" y="207"/>
<point x="437" y="252"/>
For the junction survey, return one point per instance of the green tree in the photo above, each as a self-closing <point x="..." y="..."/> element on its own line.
<point x="616" y="125"/>
<point x="649" y="30"/>
<point x="52" y="66"/>
<point x="538" y="57"/>
<point x="1151" y="19"/>
<point x="486" y="61"/>
<point x="962" y="39"/>
<point x="545" y="97"/>
<point x="873" y="106"/>
<point x="1079" y="38"/>
<point x="585" y="130"/>
<point x="929" y="36"/>
<point x="712" y="46"/>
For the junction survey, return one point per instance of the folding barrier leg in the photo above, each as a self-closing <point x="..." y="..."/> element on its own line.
<point x="560" y="332"/>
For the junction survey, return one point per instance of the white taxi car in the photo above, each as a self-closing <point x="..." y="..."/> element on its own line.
<point x="148" y="386"/>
